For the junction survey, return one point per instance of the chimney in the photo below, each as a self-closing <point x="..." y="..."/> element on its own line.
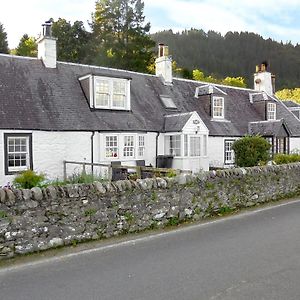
<point x="47" y="46"/>
<point x="264" y="81"/>
<point x="163" y="64"/>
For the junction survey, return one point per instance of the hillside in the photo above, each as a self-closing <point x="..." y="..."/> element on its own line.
<point x="234" y="54"/>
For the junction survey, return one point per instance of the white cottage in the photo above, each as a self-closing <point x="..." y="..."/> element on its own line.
<point x="52" y="111"/>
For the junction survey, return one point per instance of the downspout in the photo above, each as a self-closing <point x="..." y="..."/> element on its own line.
<point x="92" y="151"/>
<point x="156" y="148"/>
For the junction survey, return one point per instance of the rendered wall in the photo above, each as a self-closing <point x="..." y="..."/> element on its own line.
<point x="50" y="149"/>
<point x="39" y="219"/>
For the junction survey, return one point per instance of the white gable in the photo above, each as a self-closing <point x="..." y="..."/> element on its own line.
<point x="195" y="125"/>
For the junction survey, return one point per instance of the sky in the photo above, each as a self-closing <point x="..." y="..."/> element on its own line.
<point x="277" y="19"/>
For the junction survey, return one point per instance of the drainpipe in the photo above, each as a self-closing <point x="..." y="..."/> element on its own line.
<point x="156" y="149"/>
<point x="92" y="151"/>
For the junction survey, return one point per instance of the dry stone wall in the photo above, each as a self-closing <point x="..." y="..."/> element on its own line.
<point x="43" y="218"/>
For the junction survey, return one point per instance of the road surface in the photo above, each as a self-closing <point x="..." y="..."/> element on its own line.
<point x="254" y="255"/>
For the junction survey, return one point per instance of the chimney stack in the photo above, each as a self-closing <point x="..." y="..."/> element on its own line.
<point x="47" y="46"/>
<point x="264" y="81"/>
<point x="163" y="64"/>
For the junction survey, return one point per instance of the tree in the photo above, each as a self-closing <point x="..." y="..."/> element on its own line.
<point x="249" y="151"/>
<point x="120" y="37"/>
<point x="289" y="94"/>
<point x="27" y="46"/>
<point x="72" y="41"/>
<point x="3" y="40"/>
<point x="234" y="81"/>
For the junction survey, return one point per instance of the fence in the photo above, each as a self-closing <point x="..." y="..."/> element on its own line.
<point x="138" y="170"/>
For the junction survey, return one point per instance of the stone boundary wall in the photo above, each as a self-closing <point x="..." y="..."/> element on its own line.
<point x="43" y="218"/>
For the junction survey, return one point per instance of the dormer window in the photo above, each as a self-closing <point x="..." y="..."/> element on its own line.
<point x="218" y="107"/>
<point x="111" y="93"/>
<point x="271" y="111"/>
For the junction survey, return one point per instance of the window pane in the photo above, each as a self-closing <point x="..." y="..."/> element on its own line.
<point x="128" y="150"/>
<point x="218" y="107"/>
<point x="111" y="146"/>
<point x="102" y="99"/>
<point x="17" y="150"/>
<point x="174" y="147"/>
<point x="119" y="87"/>
<point x="195" y="146"/>
<point x="229" y="153"/>
<point x="118" y="100"/>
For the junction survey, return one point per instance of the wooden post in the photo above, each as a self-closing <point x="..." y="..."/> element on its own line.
<point x="65" y="170"/>
<point x="109" y="175"/>
<point x="139" y="172"/>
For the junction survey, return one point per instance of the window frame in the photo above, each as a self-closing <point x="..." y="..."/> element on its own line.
<point x="128" y="146"/>
<point x="29" y="155"/>
<point x="111" y="81"/>
<point x="168" y="146"/>
<point x="217" y="106"/>
<point x="109" y="147"/>
<point x="141" y="146"/>
<point x="192" y="153"/>
<point x="271" y="111"/>
<point x="226" y="161"/>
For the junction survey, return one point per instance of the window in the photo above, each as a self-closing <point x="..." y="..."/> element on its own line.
<point x="195" y="146"/>
<point x="186" y="145"/>
<point x="18" y="152"/>
<point x="168" y="102"/>
<point x="111" y="93"/>
<point x="141" y="147"/>
<point x="218" y="107"/>
<point x="204" y="145"/>
<point x="128" y="150"/>
<point x="173" y="145"/>
<point x="282" y="145"/>
<point x="271" y="111"/>
<point x="229" y="153"/>
<point x="111" y="149"/>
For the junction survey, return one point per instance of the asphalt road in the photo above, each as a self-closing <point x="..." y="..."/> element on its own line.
<point x="255" y="255"/>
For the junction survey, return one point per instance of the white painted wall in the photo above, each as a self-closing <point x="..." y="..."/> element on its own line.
<point x="295" y="144"/>
<point x="47" y="51"/>
<point x="49" y="151"/>
<point x="216" y="151"/>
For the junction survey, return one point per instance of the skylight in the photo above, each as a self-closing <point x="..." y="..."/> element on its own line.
<point x="168" y="102"/>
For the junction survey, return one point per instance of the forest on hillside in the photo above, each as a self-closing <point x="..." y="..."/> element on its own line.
<point x="235" y="54"/>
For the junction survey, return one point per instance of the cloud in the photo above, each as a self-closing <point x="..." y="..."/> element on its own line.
<point x="269" y="18"/>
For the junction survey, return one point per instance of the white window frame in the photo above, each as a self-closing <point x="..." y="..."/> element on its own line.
<point x="175" y="151"/>
<point x="217" y="107"/>
<point x="16" y="150"/>
<point x="108" y="148"/>
<point x="271" y="111"/>
<point x="110" y="93"/>
<point x="141" y="146"/>
<point x="195" y="152"/>
<point x="229" y="158"/>
<point x="129" y="146"/>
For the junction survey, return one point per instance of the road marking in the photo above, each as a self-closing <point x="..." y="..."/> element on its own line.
<point x="150" y="237"/>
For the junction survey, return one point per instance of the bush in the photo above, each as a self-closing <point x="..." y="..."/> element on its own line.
<point x="28" y="179"/>
<point x="280" y="159"/>
<point x="251" y="151"/>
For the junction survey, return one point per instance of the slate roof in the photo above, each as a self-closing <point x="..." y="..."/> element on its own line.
<point x="176" y="122"/>
<point x="290" y="103"/>
<point x="266" y="128"/>
<point x="36" y="98"/>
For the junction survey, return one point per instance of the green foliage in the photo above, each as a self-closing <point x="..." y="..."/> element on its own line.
<point x="232" y="81"/>
<point x="174" y="221"/>
<point x="28" y="179"/>
<point x="232" y="54"/>
<point x="27" y="46"/>
<point x="289" y="94"/>
<point x="3" y="40"/>
<point x="90" y="212"/>
<point x="280" y="159"/>
<point x="171" y="173"/>
<point x="120" y="35"/>
<point x="73" y="41"/>
<point x="83" y="178"/>
<point x="251" y="151"/>
<point x="3" y="214"/>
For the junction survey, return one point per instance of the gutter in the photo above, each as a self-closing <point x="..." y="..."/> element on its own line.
<point x="156" y="148"/>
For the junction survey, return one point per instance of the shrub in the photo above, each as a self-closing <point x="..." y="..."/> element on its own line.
<point x="251" y="151"/>
<point x="280" y="159"/>
<point x="28" y="179"/>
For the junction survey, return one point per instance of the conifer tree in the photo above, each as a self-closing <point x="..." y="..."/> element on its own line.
<point x="3" y="40"/>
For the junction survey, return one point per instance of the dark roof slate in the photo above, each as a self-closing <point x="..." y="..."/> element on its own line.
<point x="176" y="122"/>
<point x="290" y="103"/>
<point x="37" y="98"/>
<point x="265" y="128"/>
